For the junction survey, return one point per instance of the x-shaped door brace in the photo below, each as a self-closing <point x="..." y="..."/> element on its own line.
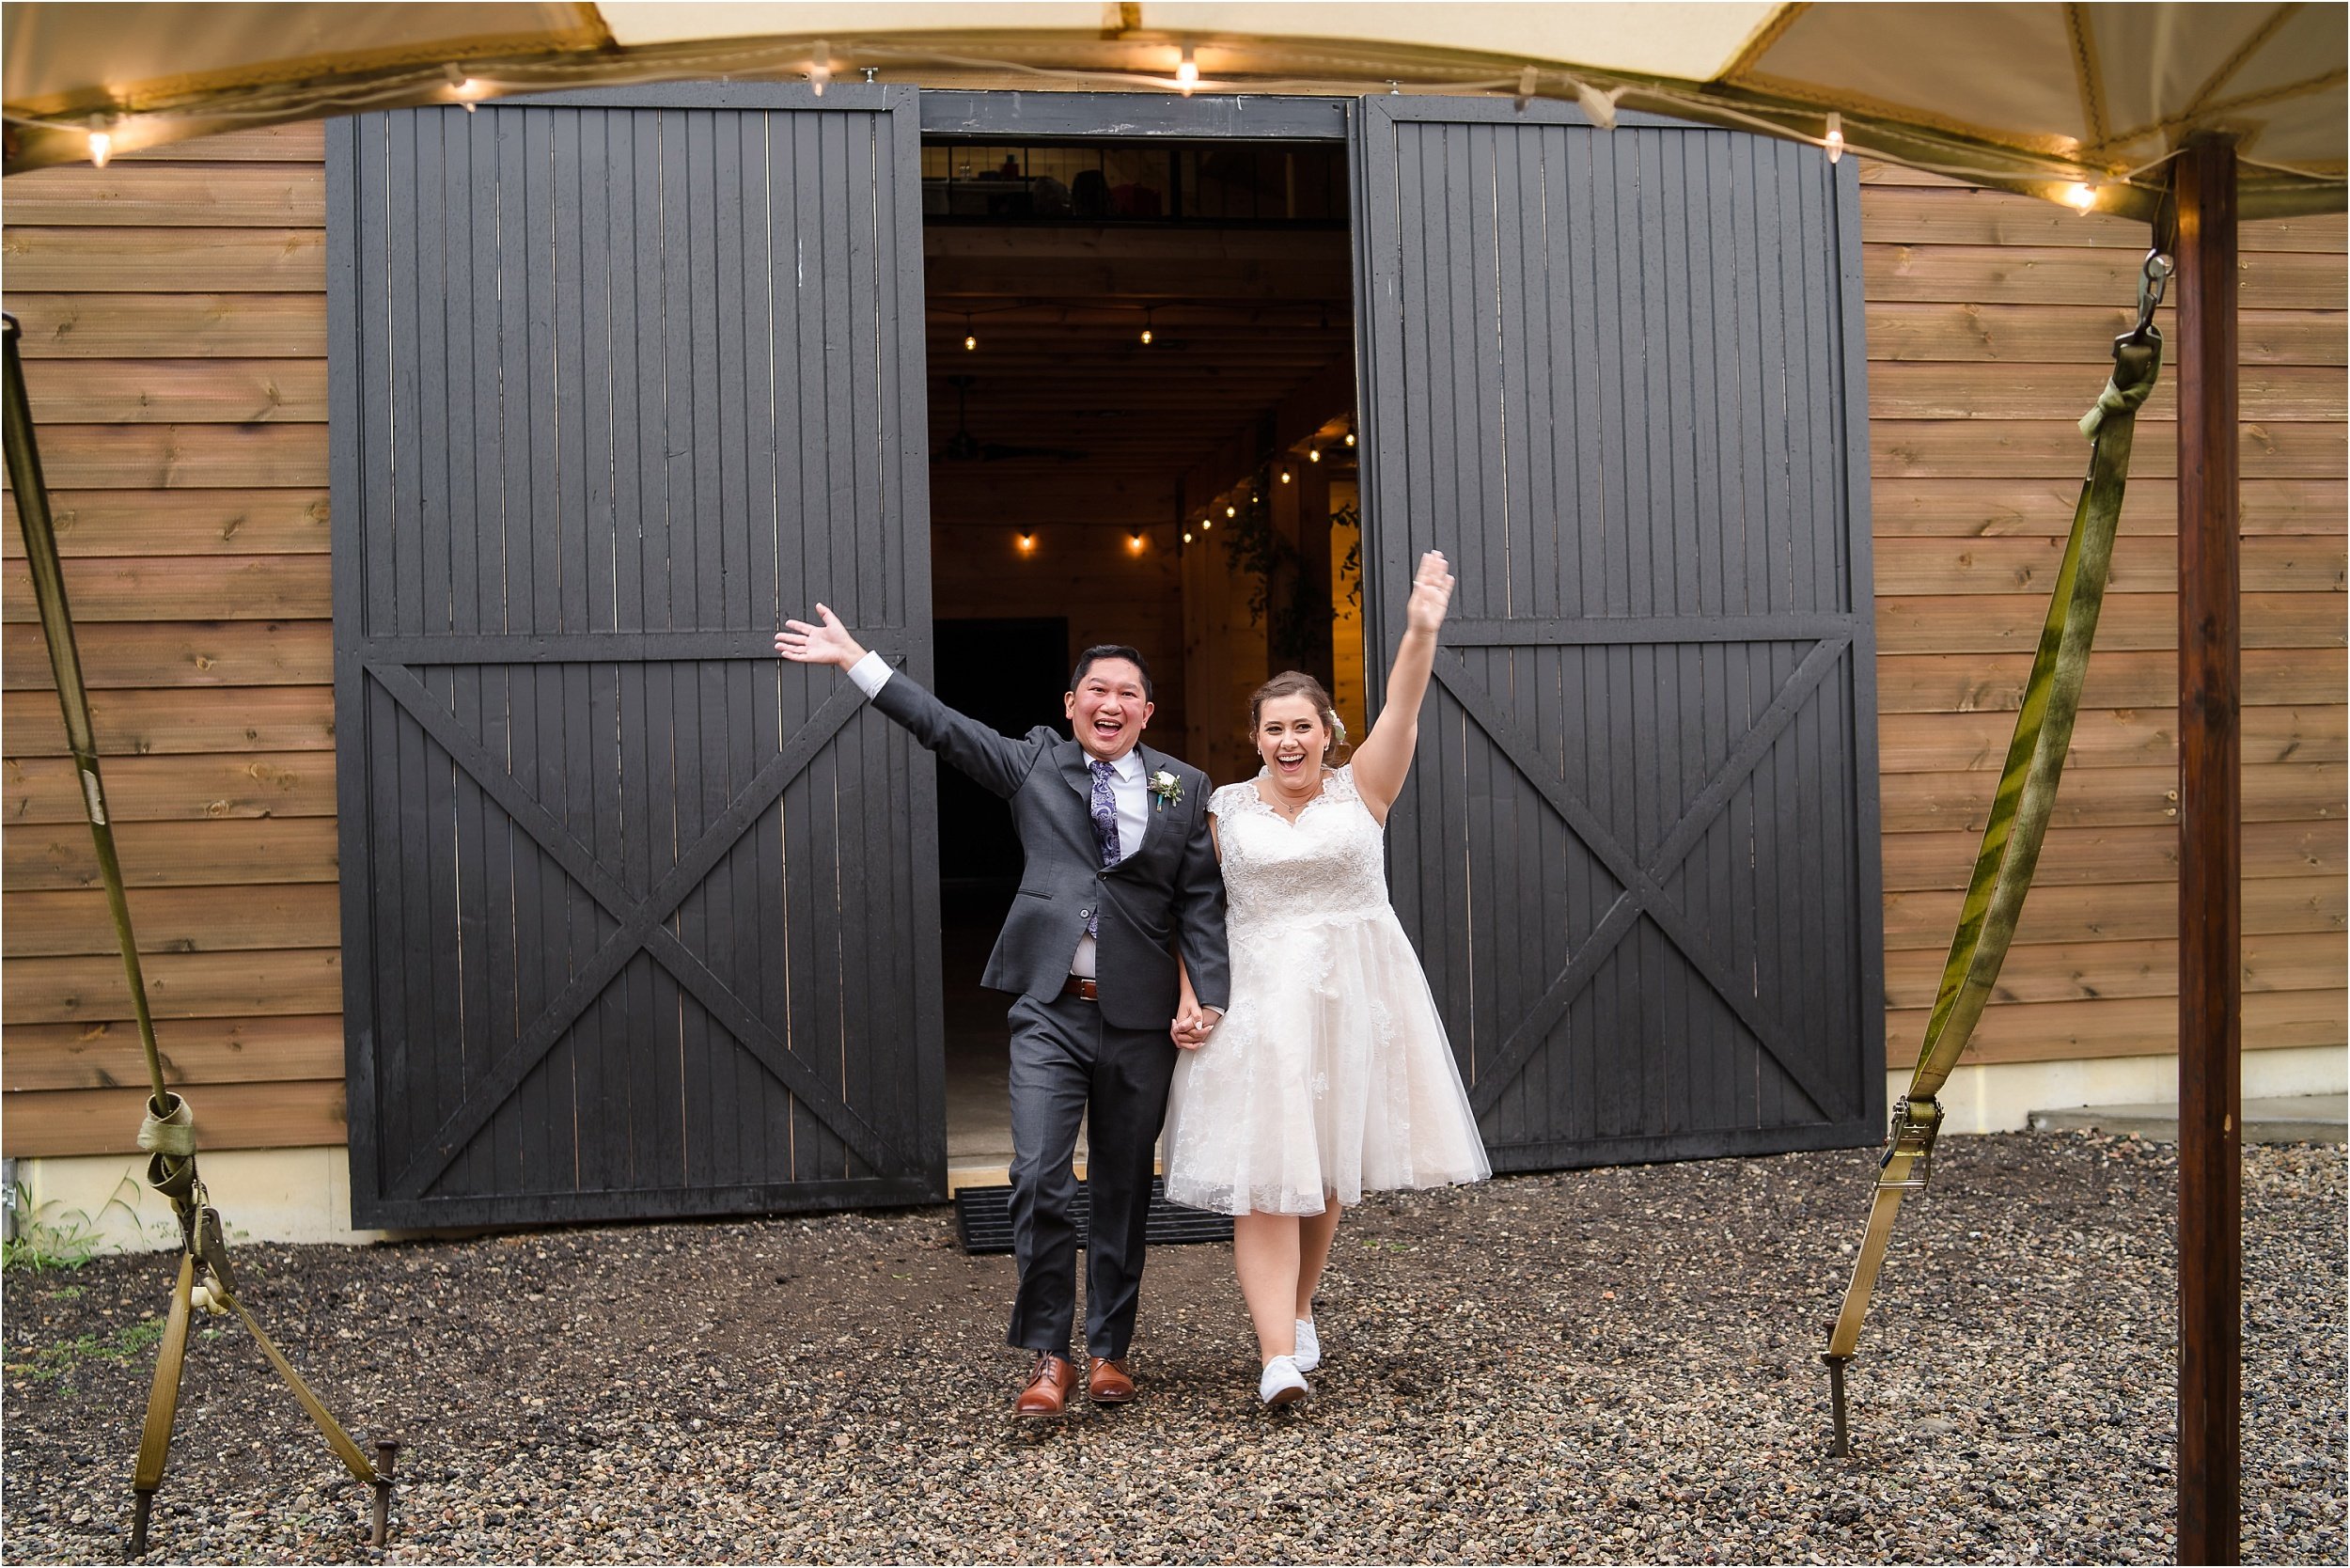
<point x="1643" y="892"/>
<point x="641" y="930"/>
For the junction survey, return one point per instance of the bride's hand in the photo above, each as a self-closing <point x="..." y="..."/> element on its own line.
<point x="1431" y="591"/>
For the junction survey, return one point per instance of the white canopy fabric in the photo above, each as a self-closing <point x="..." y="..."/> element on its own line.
<point x="2079" y="102"/>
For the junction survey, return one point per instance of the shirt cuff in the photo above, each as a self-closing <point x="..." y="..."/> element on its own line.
<point x="871" y="673"/>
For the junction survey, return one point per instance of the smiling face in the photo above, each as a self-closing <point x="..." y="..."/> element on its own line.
<point x="1292" y="739"/>
<point x="1108" y="709"/>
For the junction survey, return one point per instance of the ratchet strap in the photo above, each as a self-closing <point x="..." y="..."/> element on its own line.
<point x="168" y="1132"/>
<point x="2019" y="811"/>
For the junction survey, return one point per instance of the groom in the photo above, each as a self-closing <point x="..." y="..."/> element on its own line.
<point x="1120" y="872"/>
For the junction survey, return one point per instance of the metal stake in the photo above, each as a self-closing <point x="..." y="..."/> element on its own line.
<point x="1841" y="1448"/>
<point x="387" y="1455"/>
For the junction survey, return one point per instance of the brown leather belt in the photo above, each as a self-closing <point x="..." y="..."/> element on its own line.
<point x="1080" y="986"/>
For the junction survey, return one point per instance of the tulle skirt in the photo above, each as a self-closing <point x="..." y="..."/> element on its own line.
<point x="1329" y="1077"/>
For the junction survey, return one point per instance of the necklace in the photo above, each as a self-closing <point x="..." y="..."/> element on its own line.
<point x="1284" y="809"/>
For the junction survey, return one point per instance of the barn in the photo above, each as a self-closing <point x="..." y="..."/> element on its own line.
<point x="431" y="482"/>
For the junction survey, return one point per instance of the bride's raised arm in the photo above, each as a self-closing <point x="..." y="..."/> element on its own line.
<point x="1384" y="758"/>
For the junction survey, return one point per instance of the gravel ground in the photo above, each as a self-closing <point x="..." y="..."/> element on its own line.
<point x="1605" y="1365"/>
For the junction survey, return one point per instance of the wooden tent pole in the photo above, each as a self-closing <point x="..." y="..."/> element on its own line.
<point x="2209" y="912"/>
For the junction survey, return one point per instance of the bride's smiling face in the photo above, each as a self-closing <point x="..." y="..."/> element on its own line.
<point x="1292" y="739"/>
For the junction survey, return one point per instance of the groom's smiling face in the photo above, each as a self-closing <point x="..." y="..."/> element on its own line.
<point x="1108" y="709"/>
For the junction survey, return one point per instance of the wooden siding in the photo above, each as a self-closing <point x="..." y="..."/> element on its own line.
<point x="175" y="322"/>
<point x="176" y="340"/>
<point x="1990" y="319"/>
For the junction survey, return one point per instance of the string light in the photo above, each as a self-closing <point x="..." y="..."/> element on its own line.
<point x="1027" y="543"/>
<point x="820" y="69"/>
<point x="1350" y="438"/>
<point x="1285" y="476"/>
<point x="1313" y="454"/>
<point x="1835" y="143"/>
<point x="1146" y="326"/>
<point x="1187" y="72"/>
<point x="1134" y="544"/>
<point x="1231" y="512"/>
<point x="1206" y="523"/>
<point x="970" y="338"/>
<point x="1186" y="536"/>
<point x="463" y="87"/>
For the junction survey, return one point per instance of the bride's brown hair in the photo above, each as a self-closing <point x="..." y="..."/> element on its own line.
<point x="1297" y="683"/>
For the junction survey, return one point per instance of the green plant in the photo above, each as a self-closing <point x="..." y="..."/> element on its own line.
<point x="48" y="1238"/>
<point x="45" y="1363"/>
<point x="1350" y="564"/>
<point x="1294" y="610"/>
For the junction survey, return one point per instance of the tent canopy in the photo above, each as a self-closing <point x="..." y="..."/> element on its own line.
<point x="2078" y="102"/>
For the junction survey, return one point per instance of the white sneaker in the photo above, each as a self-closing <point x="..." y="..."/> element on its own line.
<point x="1308" y="1355"/>
<point x="1282" y="1383"/>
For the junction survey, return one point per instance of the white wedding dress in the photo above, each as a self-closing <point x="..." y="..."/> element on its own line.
<point x="1330" y="1074"/>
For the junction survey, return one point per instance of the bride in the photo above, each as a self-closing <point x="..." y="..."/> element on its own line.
<point x="1330" y="1075"/>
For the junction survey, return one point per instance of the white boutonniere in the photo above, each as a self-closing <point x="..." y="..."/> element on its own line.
<point x="1167" y="788"/>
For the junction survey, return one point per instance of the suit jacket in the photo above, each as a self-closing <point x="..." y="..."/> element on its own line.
<point x="1169" y="892"/>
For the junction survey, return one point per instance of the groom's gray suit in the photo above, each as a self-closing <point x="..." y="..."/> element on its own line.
<point x="1114" y="1053"/>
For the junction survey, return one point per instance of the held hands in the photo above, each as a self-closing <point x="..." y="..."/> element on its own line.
<point x="827" y="644"/>
<point x="1431" y="591"/>
<point x="1193" y="1022"/>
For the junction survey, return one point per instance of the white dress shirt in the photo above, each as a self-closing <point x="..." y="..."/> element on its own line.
<point x="1128" y="788"/>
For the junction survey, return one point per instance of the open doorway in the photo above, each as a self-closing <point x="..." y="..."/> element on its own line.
<point x="1141" y="384"/>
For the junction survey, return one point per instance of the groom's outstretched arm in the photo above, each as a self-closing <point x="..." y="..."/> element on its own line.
<point x="1199" y="917"/>
<point x="997" y="762"/>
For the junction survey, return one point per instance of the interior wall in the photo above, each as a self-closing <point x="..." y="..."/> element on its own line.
<point x="1109" y="591"/>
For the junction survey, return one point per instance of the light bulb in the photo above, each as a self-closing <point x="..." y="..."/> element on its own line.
<point x="1186" y="536"/>
<point x="1231" y="512"/>
<point x="1134" y="544"/>
<point x="1313" y="454"/>
<point x="1145" y="334"/>
<point x="102" y="146"/>
<point x="820" y="69"/>
<point x="1350" y="438"/>
<point x="2081" y="199"/>
<point x="1187" y="72"/>
<point x="1835" y="143"/>
<point x="1027" y="543"/>
<point x="1285" y="476"/>
<point x="1206" y="523"/>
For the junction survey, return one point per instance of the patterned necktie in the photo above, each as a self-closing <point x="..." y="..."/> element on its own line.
<point x="1104" y="830"/>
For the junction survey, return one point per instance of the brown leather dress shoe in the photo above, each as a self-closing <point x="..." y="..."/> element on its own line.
<point x="1108" y="1382"/>
<point x="1047" y="1393"/>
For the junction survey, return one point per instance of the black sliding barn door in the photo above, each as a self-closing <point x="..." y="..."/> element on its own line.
<point x="631" y="921"/>
<point x="1617" y="377"/>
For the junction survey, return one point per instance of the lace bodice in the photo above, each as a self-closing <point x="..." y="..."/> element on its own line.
<point x="1329" y="864"/>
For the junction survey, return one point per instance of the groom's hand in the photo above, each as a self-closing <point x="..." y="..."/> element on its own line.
<point x="825" y="644"/>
